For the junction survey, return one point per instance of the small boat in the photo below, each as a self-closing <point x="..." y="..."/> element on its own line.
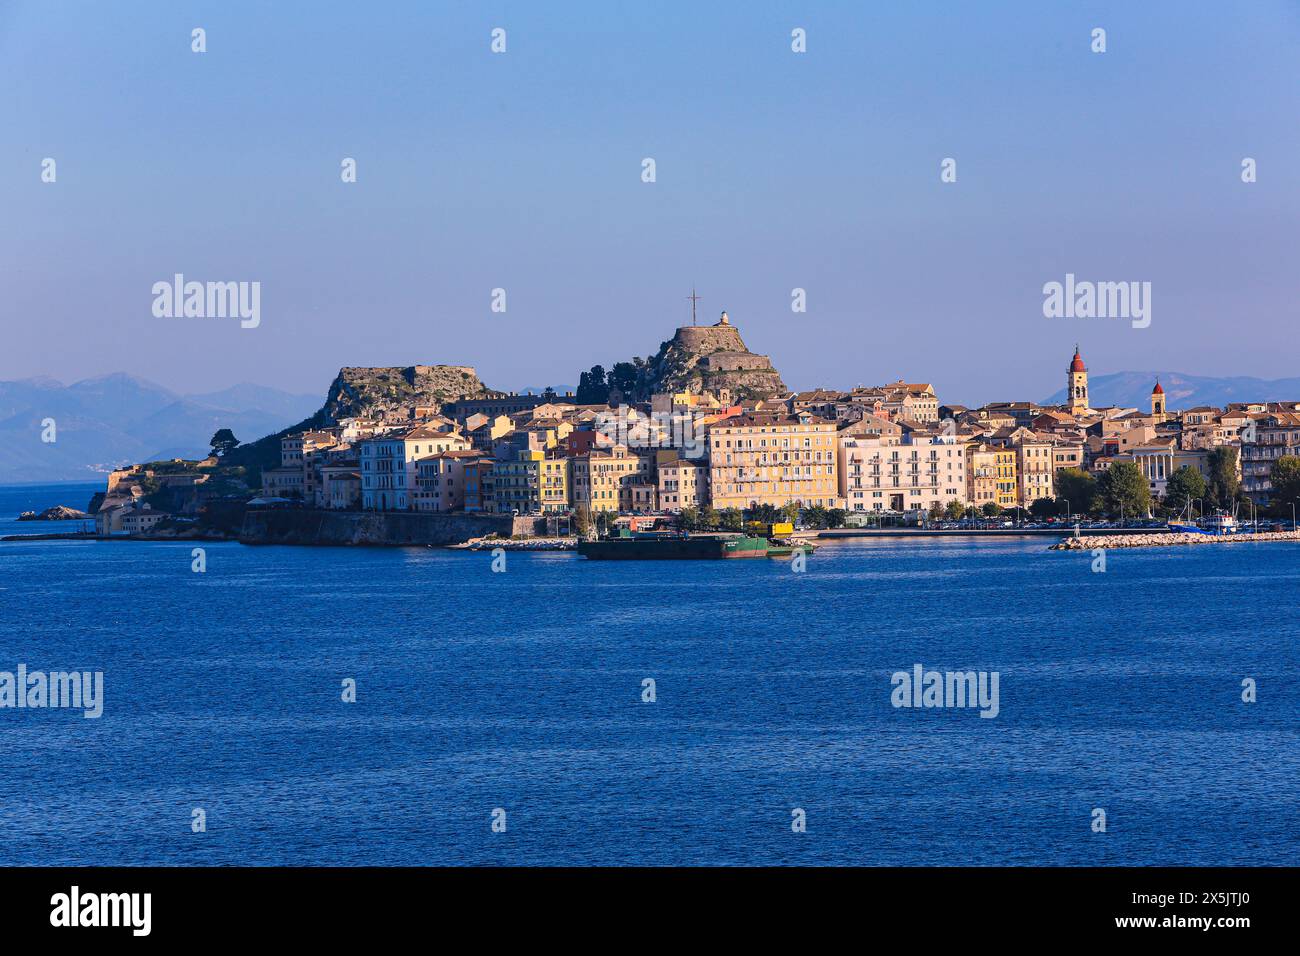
<point x="668" y="546"/>
<point x="1221" y="523"/>
<point x="1218" y="523"/>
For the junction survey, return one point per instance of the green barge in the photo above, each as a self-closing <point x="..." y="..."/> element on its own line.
<point x="656" y="546"/>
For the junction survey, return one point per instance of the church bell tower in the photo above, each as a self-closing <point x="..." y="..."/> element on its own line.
<point x="1077" y="385"/>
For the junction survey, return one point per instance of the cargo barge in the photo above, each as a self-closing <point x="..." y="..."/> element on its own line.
<point x="685" y="547"/>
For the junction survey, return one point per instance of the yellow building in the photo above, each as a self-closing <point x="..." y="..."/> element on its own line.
<point x="761" y="459"/>
<point x="602" y="478"/>
<point x="1035" y="470"/>
<point x="1005" y="463"/>
<point x="531" y="484"/>
<point x="990" y="475"/>
<point x="683" y="482"/>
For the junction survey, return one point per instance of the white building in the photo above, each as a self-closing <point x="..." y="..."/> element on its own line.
<point x="911" y="473"/>
<point x="388" y="465"/>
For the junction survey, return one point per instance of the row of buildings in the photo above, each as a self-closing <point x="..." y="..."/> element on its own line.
<point x="892" y="448"/>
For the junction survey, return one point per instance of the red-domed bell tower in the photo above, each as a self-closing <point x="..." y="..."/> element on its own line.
<point x="1077" y="385"/>
<point x="1158" y="402"/>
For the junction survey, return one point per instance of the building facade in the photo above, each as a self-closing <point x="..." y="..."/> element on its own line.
<point x="756" y="460"/>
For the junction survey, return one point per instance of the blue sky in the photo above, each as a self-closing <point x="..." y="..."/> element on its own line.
<point x="775" y="170"/>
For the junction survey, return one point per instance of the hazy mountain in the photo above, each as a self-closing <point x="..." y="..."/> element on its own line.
<point x="116" y="419"/>
<point x="1133" y="390"/>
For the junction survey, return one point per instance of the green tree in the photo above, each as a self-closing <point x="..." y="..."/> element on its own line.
<point x="1285" y="477"/>
<point x="836" y="517"/>
<point x="626" y="377"/>
<point x="582" y="521"/>
<point x="1078" y="488"/>
<point x="790" y="512"/>
<point x="709" y="518"/>
<point x="1124" y="491"/>
<point x="731" y="519"/>
<point x="814" y="517"/>
<point x="1044" y="508"/>
<point x="689" y="519"/>
<point x="955" y="509"/>
<point x="1224" y="484"/>
<point x="765" y="514"/>
<point x="937" y="512"/>
<point x="593" y="389"/>
<point x="223" y="442"/>
<point x="991" y="509"/>
<point x="1184" y="485"/>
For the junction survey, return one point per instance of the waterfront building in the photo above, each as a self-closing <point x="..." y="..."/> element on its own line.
<point x="341" y="481"/>
<point x="1035" y="469"/>
<point x="1264" y="440"/>
<point x="991" y="475"/>
<point x="601" y="478"/>
<point x="683" y="482"/>
<point x="1066" y="454"/>
<point x="440" y="480"/>
<point x="140" y="519"/>
<point x="911" y="472"/>
<point x="768" y="459"/>
<point x="1159" y="458"/>
<point x="480" y="493"/>
<point x="388" y="465"/>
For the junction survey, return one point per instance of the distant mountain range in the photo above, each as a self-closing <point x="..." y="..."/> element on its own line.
<point x="1133" y="390"/>
<point x="116" y="419"/>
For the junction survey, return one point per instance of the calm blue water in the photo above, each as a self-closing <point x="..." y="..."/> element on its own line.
<point x="522" y="691"/>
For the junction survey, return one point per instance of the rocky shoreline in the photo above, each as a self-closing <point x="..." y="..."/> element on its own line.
<point x="1166" y="538"/>
<point x="517" y="544"/>
<point x="57" y="513"/>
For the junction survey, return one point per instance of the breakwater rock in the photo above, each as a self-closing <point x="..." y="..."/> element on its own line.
<point x="57" y="513"/>
<point x="1164" y="539"/>
<point x="519" y="544"/>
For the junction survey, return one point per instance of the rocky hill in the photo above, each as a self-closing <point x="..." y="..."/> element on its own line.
<point x="713" y="357"/>
<point x="369" y="392"/>
<point x="697" y="357"/>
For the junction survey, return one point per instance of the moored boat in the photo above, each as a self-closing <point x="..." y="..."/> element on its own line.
<point x="656" y="546"/>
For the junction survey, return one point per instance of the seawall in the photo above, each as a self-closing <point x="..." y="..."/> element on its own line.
<point x="349" y="528"/>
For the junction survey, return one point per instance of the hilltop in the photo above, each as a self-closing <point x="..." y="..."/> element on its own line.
<point x="358" y="392"/>
<point x="697" y="357"/>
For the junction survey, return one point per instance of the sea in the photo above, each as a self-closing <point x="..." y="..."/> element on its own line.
<point x="341" y="706"/>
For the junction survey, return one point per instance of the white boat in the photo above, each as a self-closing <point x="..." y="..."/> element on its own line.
<point x="1220" y="523"/>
